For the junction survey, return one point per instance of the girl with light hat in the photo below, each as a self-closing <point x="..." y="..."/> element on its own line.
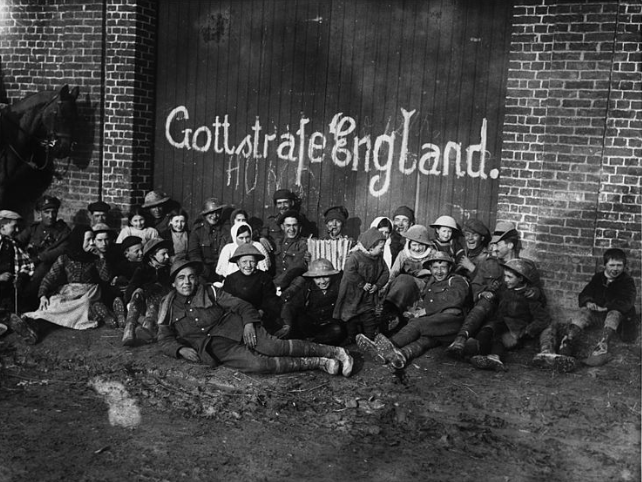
<point x="446" y="239"/>
<point x="408" y="275"/>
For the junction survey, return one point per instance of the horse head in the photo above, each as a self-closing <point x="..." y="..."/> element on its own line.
<point x="58" y="118"/>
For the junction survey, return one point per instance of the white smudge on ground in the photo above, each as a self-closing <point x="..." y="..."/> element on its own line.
<point x="123" y="410"/>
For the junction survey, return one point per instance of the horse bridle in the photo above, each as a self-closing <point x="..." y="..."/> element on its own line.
<point x="49" y="142"/>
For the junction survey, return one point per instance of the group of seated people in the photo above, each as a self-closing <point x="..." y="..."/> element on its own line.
<point x="252" y="297"/>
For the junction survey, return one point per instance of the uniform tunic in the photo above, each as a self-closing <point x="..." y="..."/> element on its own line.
<point x="446" y="303"/>
<point x="205" y="244"/>
<point x="289" y="260"/>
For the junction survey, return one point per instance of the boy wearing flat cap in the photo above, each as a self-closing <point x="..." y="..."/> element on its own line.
<point x="44" y="241"/>
<point x="148" y="285"/>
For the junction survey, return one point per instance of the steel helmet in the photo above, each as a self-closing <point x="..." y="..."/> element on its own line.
<point x="439" y="256"/>
<point x="417" y="233"/>
<point x="522" y="267"/>
<point x="320" y="267"/>
<point x="447" y="222"/>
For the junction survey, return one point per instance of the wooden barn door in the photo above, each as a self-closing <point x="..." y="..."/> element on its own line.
<point x="369" y="104"/>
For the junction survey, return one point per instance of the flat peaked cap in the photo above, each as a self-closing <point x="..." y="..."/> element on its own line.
<point x="6" y="214"/>
<point x="336" y="212"/>
<point x="99" y="206"/>
<point x="283" y="194"/>
<point x="155" y="198"/>
<point x="130" y="241"/>
<point x="47" y="202"/>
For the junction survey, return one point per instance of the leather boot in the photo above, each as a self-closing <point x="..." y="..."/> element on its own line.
<point x="119" y="311"/>
<point x="456" y="348"/>
<point x="22" y="327"/>
<point x="297" y="364"/>
<point x="414" y="350"/>
<point x="147" y="332"/>
<point x="103" y="315"/>
<point x="129" y="336"/>
<point x="342" y="355"/>
<point x="390" y="352"/>
<point x="366" y="345"/>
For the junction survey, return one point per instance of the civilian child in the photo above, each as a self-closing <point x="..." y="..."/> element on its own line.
<point x="309" y="311"/>
<point x="137" y="227"/>
<point x="446" y="234"/>
<point x="517" y="317"/>
<point x="608" y="298"/>
<point x="256" y="287"/>
<point x="365" y="275"/>
<point x="177" y="232"/>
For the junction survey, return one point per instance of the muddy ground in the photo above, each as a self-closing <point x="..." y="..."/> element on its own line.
<point x="79" y="407"/>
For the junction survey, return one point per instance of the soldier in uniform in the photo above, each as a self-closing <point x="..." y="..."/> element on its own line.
<point x="44" y="241"/>
<point x="284" y="200"/>
<point x="446" y="301"/>
<point x="291" y="254"/>
<point x="207" y="239"/>
<point x="156" y="203"/>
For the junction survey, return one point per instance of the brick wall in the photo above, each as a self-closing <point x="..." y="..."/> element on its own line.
<point x="107" y="49"/>
<point x="570" y="173"/>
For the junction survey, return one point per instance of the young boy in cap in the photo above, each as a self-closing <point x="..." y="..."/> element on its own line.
<point x="148" y="285"/>
<point x="486" y="284"/>
<point x="309" y="310"/>
<point x="609" y="298"/>
<point x="335" y="219"/>
<point x="256" y="287"/>
<point x="44" y="241"/>
<point x="364" y="276"/>
<point x="208" y="238"/>
<point x="201" y="323"/>
<point x="516" y="319"/>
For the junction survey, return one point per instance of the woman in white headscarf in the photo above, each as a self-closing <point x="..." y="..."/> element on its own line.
<point x="241" y="234"/>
